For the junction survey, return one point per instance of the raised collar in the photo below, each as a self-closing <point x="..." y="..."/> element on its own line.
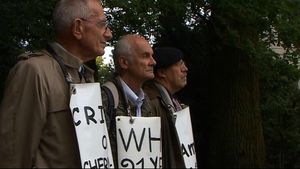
<point x="69" y="59"/>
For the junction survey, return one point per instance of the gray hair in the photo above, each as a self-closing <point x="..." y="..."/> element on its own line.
<point x="66" y="11"/>
<point x="122" y="48"/>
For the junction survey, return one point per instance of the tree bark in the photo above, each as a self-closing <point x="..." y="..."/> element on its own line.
<point x="236" y="135"/>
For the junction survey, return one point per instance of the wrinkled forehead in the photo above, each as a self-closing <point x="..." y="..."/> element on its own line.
<point x="142" y="46"/>
<point x="96" y="9"/>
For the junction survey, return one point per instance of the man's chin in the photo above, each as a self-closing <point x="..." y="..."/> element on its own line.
<point x="101" y="53"/>
<point x="150" y="77"/>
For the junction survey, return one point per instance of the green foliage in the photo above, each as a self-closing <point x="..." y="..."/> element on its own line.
<point x="134" y="16"/>
<point x="25" y="25"/>
<point x="244" y="23"/>
<point x="253" y="26"/>
<point x="249" y="25"/>
<point x="105" y="71"/>
<point x="280" y="106"/>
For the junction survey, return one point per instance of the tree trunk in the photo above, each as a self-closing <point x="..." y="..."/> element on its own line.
<point x="236" y="135"/>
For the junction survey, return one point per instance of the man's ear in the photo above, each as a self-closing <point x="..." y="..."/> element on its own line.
<point x="77" y="28"/>
<point x="123" y="62"/>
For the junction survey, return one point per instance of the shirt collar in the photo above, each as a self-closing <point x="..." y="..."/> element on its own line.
<point x="134" y="98"/>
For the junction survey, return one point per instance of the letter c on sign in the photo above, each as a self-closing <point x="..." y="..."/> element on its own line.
<point x="76" y="109"/>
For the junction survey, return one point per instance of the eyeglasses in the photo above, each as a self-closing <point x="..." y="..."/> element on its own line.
<point x="100" y="24"/>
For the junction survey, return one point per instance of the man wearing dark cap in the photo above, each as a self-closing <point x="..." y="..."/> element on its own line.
<point x="170" y="76"/>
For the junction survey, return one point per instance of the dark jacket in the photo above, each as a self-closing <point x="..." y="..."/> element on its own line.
<point x="171" y="150"/>
<point x="121" y="110"/>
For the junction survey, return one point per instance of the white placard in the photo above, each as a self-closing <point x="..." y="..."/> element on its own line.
<point x="90" y="125"/>
<point x="139" y="143"/>
<point x="185" y="133"/>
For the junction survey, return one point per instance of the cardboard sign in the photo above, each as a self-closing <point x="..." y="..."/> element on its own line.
<point x="90" y="125"/>
<point x="185" y="133"/>
<point x="139" y="144"/>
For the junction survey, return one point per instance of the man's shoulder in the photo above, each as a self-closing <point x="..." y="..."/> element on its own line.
<point x="151" y="90"/>
<point x="112" y="93"/>
<point x="39" y="62"/>
<point x="29" y="55"/>
<point x="38" y="58"/>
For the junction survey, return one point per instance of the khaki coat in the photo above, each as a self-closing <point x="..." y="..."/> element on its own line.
<point x="36" y="125"/>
